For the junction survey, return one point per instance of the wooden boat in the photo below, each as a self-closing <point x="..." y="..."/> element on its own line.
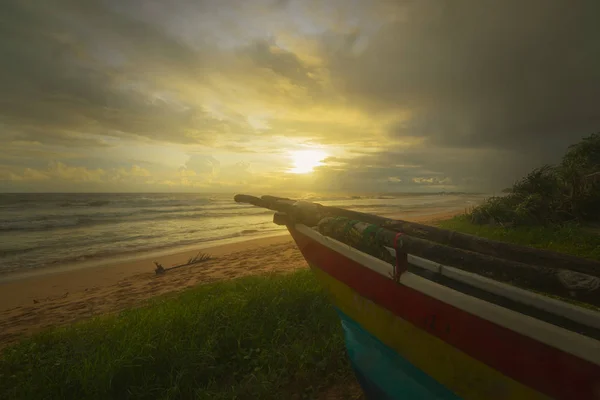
<point x="432" y="314"/>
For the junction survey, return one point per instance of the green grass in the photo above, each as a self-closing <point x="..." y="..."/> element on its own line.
<point x="274" y="337"/>
<point x="567" y="238"/>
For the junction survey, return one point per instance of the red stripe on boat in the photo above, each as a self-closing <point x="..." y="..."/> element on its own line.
<point x="535" y="364"/>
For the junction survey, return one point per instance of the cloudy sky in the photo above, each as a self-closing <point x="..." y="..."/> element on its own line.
<point x="342" y="95"/>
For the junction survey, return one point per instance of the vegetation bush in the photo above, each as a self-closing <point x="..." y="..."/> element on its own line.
<point x="569" y="191"/>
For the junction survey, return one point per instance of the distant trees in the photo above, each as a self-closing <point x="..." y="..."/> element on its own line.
<point x="551" y="194"/>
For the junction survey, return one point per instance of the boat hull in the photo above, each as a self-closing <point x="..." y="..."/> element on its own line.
<point x="415" y="339"/>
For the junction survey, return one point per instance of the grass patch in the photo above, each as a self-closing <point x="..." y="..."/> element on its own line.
<point x="274" y="337"/>
<point x="570" y="238"/>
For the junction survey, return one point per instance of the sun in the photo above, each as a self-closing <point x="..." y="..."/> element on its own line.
<point x="305" y="161"/>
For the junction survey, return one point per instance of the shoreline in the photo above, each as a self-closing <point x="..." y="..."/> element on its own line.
<point x="41" y="301"/>
<point x="435" y="214"/>
<point x="133" y="256"/>
<point x="68" y="280"/>
<point x="31" y="305"/>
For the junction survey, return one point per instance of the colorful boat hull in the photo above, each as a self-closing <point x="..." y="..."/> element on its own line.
<point x="415" y="339"/>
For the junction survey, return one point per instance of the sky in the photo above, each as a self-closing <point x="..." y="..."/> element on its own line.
<point x="270" y="95"/>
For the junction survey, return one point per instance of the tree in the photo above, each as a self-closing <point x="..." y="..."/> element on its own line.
<point x="581" y="161"/>
<point x="551" y="194"/>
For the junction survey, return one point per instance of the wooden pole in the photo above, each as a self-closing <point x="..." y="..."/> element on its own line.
<point x="508" y="251"/>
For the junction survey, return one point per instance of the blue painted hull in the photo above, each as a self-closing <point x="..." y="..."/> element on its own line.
<point x="382" y="373"/>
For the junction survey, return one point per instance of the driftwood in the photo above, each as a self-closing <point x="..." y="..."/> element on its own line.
<point x="541" y="270"/>
<point x="200" y="257"/>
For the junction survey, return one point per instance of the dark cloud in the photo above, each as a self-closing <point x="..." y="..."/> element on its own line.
<point x="100" y="68"/>
<point x="81" y="67"/>
<point x="424" y="169"/>
<point x="265" y="54"/>
<point x="510" y="74"/>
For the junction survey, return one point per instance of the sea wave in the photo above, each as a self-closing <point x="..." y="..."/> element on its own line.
<point x="50" y="200"/>
<point x="77" y="218"/>
<point x="95" y="203"/>
<point x="45" y="223"/>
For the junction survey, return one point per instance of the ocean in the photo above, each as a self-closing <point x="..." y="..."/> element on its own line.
<point x="45" y="230"/>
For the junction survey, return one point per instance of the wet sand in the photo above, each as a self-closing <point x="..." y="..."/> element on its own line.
<point x="34" y="303"/>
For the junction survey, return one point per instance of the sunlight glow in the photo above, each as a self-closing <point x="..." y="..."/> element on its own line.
<point x="305" y="161"/>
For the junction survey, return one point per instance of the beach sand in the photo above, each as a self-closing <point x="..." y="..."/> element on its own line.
<point x="34" y="303"/>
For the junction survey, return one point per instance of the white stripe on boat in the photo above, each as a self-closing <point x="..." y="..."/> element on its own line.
<point x="574" y="313"/>
<point x="574" y="343"/>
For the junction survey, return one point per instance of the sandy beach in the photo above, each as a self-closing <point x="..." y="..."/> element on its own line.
<point x="34" y="303"/>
